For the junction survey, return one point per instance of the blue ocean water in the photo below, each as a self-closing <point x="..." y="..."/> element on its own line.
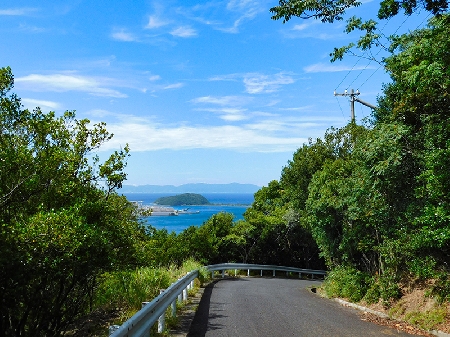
<point x="235" y="203"/>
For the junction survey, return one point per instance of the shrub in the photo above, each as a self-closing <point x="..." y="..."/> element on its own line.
<point x="346" y="282"/>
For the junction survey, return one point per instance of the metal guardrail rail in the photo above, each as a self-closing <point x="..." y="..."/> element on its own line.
<point x="139" y="325"/>
<point x="261" y="267"/>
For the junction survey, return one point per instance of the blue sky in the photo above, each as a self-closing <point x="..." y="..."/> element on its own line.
<point x="202" y="91"/>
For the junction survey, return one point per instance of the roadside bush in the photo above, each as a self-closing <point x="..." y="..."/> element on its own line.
<point x="346" y="282"/>
<point x="373" y="293"/>
<point x="127" y="290"/>
<point x="441" y="289"/>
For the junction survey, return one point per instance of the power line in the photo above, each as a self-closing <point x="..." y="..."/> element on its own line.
<point x="348" y="73"/>
<point x="342" y="111"/>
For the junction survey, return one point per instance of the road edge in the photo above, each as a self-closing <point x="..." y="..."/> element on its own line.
<point x="383" y="315"/>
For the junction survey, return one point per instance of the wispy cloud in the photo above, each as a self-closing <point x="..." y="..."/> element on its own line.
<point x="223" y="100"/>
<point x="17" y="11"/>
<point x="174" y="86"/>
<point x="155" y="21"/>
<point x="64" y="82"/>
<point x="154" y="78"/>
<point x="299" y="108"/>
<point x="229" y="77"/>
<point x="257" y="83"/>
<point x="184" y="31"/>
<point x="329" y="68"/>
<point x="260" y="83"/>
<point x="122" y="35"/>
<point x="246" y="10"/>
<point x="229" y="114"/>
<point x="302" y="26"/>
<point x="32" y="29"/>
<point x="30" y="103"/>
<point x="227" y="16"/>
<point x="151" y="137"/>
<point x="313" y="30"/>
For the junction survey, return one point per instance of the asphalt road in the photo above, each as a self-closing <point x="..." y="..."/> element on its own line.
<point x="256" y="307"/>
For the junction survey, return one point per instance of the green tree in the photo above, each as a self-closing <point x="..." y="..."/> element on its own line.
<point x="208" y="243"/>
<point x="274" y="234"/>
<point x="61" y="224"/>
<point x="418" y="97"/>
<point x="330" y="11"/>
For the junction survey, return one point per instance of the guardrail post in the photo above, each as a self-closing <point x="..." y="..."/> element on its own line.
<point x="192" y="284"/>
<point x="273" y="273"/>
<point x="161" y="319"/>
<point x="113" y="328"/>
<point x="261" y="272"/>
<point x="185" y="295"/>
<point x="212" y="275"/>
<point x="235" y="272"/>
<point x="299" y="275"/>
<point x="174" y="308"/>
<point x="180" y="297"/>
<point x="223" y="273"/>
<point x="312" y="276"/>
<point x="248" y="272"/>
<point x="161" y="323"/>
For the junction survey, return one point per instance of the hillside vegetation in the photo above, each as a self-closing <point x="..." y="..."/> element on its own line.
<point x="187" y="199"/>
<point x="371" y="203"/>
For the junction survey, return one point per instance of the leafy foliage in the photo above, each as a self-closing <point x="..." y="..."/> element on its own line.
<point x="330" y="11"/>
<point x="375" y="199"/>
<point x="61" y="224"/>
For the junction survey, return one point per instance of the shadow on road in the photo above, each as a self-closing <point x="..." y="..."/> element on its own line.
<point x="199" y="325"/>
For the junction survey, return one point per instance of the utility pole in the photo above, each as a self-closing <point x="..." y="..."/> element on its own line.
<point x="353" y="98"/>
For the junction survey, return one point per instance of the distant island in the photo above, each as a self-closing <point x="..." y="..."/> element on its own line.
<point x="191" y="188"/>
<point x="185" y="199"/>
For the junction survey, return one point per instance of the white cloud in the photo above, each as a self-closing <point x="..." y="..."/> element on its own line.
<point x="123" y="35"/>
<point x="30" y="103"/>
<point x="233" y="117"/>
<point x="299" y="108"/>
<point x="301" y="26"/>
<point x="155" y="21"/>
<point x="223" y="100"/>
<point x="154" y="78"/>
<point x="247" y="10"/>
<point x="63" y="83"/>
<point x="184" y="31"/>
<point x="32" y="29"/>
<point x="174" y="86"/>
<point x="17" y="11"/>
<point x="256" y="83"/>
<point x="260" y="83"/>
<point x="229" y="114"/>
<point x="149" y="137"/>
<point x="328" y="68"/>
<point x="229" y="77"/>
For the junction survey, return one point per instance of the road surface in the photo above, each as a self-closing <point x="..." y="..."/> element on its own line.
<point x="258" y="307"/>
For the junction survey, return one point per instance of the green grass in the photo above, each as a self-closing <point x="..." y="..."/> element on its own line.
<point x="126" y="290"/>
<point x="427" y="320"/>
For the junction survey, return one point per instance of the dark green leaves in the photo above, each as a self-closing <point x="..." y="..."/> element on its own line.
<point x="59" y="229"/>
<point x="324" y="10"/>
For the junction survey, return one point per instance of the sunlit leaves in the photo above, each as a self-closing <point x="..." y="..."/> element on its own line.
<point x="59" y="228"/>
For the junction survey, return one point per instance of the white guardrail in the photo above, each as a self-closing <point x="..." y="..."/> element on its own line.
<point x="139" y="325"/>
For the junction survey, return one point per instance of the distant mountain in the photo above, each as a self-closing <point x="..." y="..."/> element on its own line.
<point x="191" y="188"/>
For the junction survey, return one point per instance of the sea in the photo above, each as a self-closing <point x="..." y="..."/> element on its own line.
<point x="235" y="203"/>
